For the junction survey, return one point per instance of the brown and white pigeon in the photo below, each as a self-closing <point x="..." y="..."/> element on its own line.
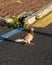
<point x="27" y="38"/>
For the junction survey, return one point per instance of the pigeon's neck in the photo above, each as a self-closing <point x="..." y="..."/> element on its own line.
<point x="32" y="33"/>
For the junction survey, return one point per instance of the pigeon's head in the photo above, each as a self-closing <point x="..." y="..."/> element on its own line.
<point x="32" y="29"/>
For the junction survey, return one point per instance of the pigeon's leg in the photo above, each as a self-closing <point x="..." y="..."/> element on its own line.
<point x="29" y="43"/>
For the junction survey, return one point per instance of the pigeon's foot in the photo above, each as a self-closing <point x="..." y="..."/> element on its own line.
<point x="29" y="44"/>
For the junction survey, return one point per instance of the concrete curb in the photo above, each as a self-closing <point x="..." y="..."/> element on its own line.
<point x="44" y="11"/>
<point x="39" y="14"/>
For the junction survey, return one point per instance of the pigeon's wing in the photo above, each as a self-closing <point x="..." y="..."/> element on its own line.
<point x="28" y="37"/>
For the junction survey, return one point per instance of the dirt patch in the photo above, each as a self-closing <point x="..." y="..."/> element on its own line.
<point x="7" y="7"/>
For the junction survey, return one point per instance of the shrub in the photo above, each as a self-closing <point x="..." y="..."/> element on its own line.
<point x="16" y="23"/>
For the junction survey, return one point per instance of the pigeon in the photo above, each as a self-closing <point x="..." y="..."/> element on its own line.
<point x="27" y="38"/>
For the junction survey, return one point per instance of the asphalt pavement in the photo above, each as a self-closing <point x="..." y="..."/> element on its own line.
<point x="12" y="53"/>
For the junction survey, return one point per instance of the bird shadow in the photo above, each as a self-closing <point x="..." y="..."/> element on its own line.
<point x="9" y="40"/>
<point x="38" y="32"/>
<point x="42" y="33"/>
<point x="14" y="41"/>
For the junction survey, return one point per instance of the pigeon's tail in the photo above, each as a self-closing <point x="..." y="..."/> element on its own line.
<point x="19" y="40"/>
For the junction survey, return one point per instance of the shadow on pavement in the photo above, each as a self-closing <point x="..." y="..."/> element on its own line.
<point x="14" y="41"/>
<point x="46" y="34"/>
<point x="9" y="40"/>
<point x="41" y="33"/>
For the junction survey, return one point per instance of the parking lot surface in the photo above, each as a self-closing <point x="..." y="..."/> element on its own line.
<point x="12" y="53"/>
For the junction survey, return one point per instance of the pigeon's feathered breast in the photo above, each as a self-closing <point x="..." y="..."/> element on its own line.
<point x="28" y="37"/>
